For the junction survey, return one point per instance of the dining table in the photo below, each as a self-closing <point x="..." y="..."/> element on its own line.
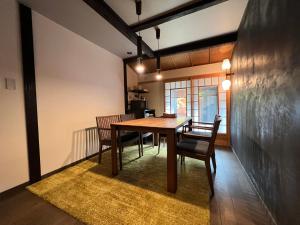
<point x="167" y="126"/>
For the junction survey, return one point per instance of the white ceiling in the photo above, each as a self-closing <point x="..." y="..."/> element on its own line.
<point x="216" y="20"/>
<point x="78" y="17"/>
<point x="126" y="8"/>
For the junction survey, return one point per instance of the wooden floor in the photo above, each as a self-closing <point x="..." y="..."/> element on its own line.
<point x="234" y="203"/>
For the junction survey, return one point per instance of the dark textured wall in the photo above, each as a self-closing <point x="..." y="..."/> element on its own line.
<point x="265" y="115"/>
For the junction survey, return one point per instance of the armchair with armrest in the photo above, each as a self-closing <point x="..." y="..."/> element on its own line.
<point x="203" y="132"/>
<point x="197" y="148"/>
<point x="201" y="129"/>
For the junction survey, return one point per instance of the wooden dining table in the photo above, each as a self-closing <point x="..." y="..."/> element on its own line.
<point x="167" y="126"/>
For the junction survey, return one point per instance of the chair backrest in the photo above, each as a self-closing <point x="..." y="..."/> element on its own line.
<point x="217" y="116"/>
<point x="103" y="125"/>
<point x="169" y="115"/>
<point x="126" y="117"/>
<point x="214" y="134"/>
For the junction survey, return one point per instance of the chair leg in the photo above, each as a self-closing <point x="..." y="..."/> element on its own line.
<point x="209" y="176"/>
<point x="139" y="145"/>
<point x="213" y="158"/>
<point x="158" y="144"/>
<point x="120" y="156"/>
<point x="100" y="153"/>
<point x="153" y="140"/>
<point x="182" y="159"/>
<point x="142" y="143"/>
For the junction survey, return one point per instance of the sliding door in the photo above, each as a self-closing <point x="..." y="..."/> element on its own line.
<point x="200" y="97"/>
<point x="209" y="99"/>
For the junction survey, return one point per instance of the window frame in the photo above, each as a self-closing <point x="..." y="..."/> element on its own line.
<point x="186" y="87"/>
<point x="224" y="136"/>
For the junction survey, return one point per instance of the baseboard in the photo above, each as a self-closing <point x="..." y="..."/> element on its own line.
<point x="67" y="166"/>
<point x="254" y="188"/>
<point x="12" y="191"/>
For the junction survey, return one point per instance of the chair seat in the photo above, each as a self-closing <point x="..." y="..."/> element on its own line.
<point x="125" y="137"/>
<point x="147" y="134"/>
<point x="199" y="133"/>
<point x="193" y="146"/>
<point x="129" y="135"/>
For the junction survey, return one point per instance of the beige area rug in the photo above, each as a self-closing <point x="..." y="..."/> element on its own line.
<point x="136" y="196"/>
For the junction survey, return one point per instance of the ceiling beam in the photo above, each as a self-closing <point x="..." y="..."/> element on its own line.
<point x="204" y="43"/>
<point x="175" y="13"/>
<point x="116" y="21"/>
<point x="193" y="46"/>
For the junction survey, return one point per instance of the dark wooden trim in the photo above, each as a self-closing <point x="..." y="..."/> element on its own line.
<point x="192" y="46"/>
<point x="204" y="43"/>
<point x="125" y="87"/>
<point x="175" y="13"/>
<point x="12" y="191"/>
<point x="116" y="21"/>
<point x="30" y="94"/>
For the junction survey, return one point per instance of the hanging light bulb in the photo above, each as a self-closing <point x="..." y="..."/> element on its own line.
<point x="140" y="68"/>
<point x="226" y="84"/>
<point x="158" y="76"/>
<point x="226" y="65"/>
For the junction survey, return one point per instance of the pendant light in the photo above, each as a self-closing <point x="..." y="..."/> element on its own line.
<point x="139" y="68"/>
<point x="226" y="84"/>
<point x="158" y="75"/>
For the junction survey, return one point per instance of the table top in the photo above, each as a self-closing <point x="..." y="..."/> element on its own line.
<point x="151" y="122"/>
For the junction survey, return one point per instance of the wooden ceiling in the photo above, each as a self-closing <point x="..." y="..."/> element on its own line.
<point x="194" y="58"/>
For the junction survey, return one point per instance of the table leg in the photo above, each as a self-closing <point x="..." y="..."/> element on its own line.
<point x="114" y="161"/>
<point x="171" y="162"/>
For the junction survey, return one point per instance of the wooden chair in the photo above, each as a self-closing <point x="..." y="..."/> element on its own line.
<point x="201" y="131"/>
<point x="200" y="128"/>
<point x="160" y="136"/>
<point x="191" y="146"/>
<point x="131" y="116"/>
<point x="104" y="133"/>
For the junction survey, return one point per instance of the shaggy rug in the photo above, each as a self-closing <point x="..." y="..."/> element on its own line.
<point x="137" y="195"/>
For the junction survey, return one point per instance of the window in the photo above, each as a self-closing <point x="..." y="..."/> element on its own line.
<point x="209" y="99"/>
<point x="177" y="97"/>
<point x="200" y="98"/>
<point x="208" y="103"/>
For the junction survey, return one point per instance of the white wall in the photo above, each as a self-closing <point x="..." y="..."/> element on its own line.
<point x="76" y="81"/>
<point x="132" y="81"/>
<point x="132" y="77"/>
<point x="13" y="146"/>
<point x="156" y="88"/>
<point x="155" y="96"/>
